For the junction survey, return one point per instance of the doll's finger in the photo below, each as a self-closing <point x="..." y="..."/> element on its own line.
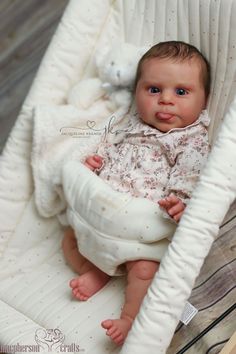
<point x="98" y="161"/>
<point x="164" y="204"/>
<point x="93" y="162"/>
<point x="168" y="200"/>
<point x="89" y="166"/>
<point x="97" y="158"/>
<point x="173" y="199"/>
<point x="177" y="208"/>
<point x="89" y="159"/>
<point x="178" y="216"/>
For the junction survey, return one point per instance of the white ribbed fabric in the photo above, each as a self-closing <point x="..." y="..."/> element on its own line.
<point x="34" y="291"/>
<point x="210" y="25"/>
<point x="164" y="303"/>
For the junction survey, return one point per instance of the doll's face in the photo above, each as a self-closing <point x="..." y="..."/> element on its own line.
<point x="170" y="94"/>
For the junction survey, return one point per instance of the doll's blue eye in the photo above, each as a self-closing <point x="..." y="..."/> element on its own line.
<point x="154" y="89"/>
<point x="181" y="91"/>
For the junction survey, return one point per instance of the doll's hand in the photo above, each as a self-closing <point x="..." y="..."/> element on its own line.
<point x="93" y="162"/>
<point x="173" y="206"/>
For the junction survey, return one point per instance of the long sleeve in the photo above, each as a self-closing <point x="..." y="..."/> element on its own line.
<point x="188" y="165"/>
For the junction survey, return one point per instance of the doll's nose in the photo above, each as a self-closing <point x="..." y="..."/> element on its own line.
<point x="166" y="98"/>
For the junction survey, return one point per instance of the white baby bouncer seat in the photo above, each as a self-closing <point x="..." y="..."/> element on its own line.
<point x="34" y="291"/>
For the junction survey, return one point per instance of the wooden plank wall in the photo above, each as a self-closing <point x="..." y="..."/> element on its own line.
<point x="26" y="27"/>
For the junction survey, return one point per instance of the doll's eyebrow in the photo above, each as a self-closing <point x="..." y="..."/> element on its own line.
<point x="150" y="83"/>
<point x="183" y="85"/>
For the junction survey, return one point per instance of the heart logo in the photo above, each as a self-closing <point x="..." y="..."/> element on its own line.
<point x="49" y="339"/>
<point x="91" y="124"/>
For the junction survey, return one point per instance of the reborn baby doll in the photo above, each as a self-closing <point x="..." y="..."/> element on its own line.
<point x="160" y="159"/>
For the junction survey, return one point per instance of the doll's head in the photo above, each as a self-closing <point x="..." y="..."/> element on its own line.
<point x="172" y="85"/>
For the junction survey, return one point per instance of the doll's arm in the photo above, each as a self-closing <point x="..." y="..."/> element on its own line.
<point x="188" y="165"/>
<point x="173" y="206"/>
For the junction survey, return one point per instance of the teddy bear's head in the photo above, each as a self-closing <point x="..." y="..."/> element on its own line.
<point x="117" y="67"/>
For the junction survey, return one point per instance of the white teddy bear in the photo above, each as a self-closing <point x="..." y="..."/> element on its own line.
<point x="116" y="69"/>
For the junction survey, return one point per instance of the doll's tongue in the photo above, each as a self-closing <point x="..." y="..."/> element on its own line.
<point x="164" y="116"/>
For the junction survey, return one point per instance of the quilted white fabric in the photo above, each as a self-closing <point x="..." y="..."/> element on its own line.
<point x="54" y="145"/>
<point x="101" y="218"/>
<point x="34" y="291"/>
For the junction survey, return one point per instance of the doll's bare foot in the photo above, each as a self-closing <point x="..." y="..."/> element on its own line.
<point x="118" y="329"/>
<point x="88" y="284"/>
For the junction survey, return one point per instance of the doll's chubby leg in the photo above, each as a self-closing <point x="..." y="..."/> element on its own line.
<point x="140" y="275"/>
<point x="71" y="252"/>
<point x="91" y="278"/>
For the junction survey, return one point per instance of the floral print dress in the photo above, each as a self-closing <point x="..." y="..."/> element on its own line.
<point x="151" y="164"/>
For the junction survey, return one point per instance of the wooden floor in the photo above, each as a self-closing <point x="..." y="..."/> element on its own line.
<point x="26" y="27"/>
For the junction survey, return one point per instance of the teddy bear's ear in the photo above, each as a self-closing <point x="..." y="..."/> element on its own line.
<point x="102" y="53"/>
<point x="105" y="50"/>
<point x="100" y="56"/>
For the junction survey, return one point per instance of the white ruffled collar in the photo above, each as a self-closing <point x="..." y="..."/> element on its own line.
<point x="137" y="126"/>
